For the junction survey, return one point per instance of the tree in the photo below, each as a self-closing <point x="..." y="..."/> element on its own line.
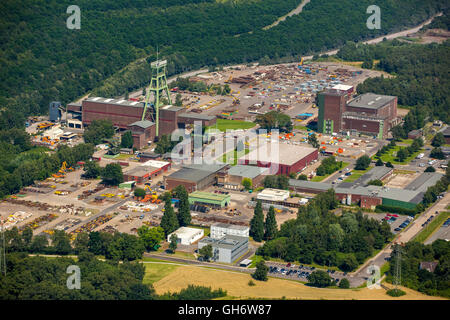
<point x="312" y="140"/>
<point x="302" y="177"/>
<point x="151" y="237"/>
<point x="112" y="174"/>
<point x="344" y="283"/>
<point x="39" y="244"/>
<point x="368" y="64"/>
<point x="139" y="192"/>
<point x="91" y="170"/>
<point x="127" y="140"/>
<point x="27" y="236"/>
<point x="402" y="154"/>
<point x="430" y="169"/>
<point x="178" y="101"/>
<point x="379" y="163"/>
<point x="206" y="252"/>
<point x="257" y="223"/>
<point x="61" y="242"/>
<point x="320" y="279"/>
<point x="81" y="242"/>
<point x="169" y="221"/>
<point x="438" y="140"/>
<point x="247" y="183"/>
<point x="363" y="162"/>
<point x="375" y="182"/>
<point x="184" y="211"/>
<point x="98" y="130"/>
<point x="261" y="271"/>
<point x="274" y="120"/>
<point x="389" y="164"/>
<point x="270" y="225"/>
<point x="437" y="154"/>
<point x="173" y="243"/>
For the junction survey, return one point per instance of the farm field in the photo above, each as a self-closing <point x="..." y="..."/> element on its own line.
<point x="236" y="285"/>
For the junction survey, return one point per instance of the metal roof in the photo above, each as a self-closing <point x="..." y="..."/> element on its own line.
<point x="370" y="101"/>
<point x="246" y="171"/>
<point x="120" y="102"/>
<point x="209" y="196"/>
<point x="281" y="153"/>
<point x="376" y="173"/>
<point x="143" y="124"/>
<point x="196" y="116"/>
<point x="425" y="180"/>
<point x="226" y="242"/>
<point x="229" y="226"/>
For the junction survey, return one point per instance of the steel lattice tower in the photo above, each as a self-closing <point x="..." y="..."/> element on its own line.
<point x="158" y="85"/>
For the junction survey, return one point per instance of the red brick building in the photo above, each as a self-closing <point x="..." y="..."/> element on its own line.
<point x="281" y="158"/>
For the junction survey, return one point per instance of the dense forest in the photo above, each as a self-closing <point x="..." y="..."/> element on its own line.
<point x="320" y="236"/>
<point x="42" y="60"/>
<point x="39" y="278"/>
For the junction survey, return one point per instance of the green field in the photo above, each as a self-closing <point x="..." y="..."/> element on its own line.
<point x="390" y="157"/>
<point x="232" y="156"/>
<point x="155" y="271"/>
<point x="356" y="174"/>
<point x="432" y="227"/>
<point x="225" y="124"/>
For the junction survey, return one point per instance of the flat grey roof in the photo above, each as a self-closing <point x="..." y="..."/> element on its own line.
<point x="286" y="154"/>
<point x="121" y="102"/>
<point x="143" y="124"/>
<point x="376" y="173"/>
<point x="172" y="108"/>
<point x="425" y="180"/>
<point x="139" y="171"/>
<point x="370" y="101"/>
<point x="310" y="184"/>
<point x="226" y="242"/>
<point x="445" y="131"/>
<point x="196" y="172"/>
<point x="246" y="171"/>
<point x="206" y="167"/>
<point x="229" y="226"/>
<point x="396" y="194"/>
<point x="196" y="116"/>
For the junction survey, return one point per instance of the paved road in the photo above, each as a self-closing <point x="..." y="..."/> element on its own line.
<point x="441" y="233"/>
<point x="290" y="14"/>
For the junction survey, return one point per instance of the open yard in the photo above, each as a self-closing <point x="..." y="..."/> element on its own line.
<point x="236" y="285"/>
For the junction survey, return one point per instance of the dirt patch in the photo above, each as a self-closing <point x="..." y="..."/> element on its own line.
<point x="236" y="285"/>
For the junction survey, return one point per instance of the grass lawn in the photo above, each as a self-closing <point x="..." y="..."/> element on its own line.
<point x="356" y="174"/>
<point x="255" y="259"/>
<point x="155" y="272"/>
<point x="300" y="127"/>
<point x="432" y="227"/>
<point x="390" y="157"/>
<point x="225" y="124"/>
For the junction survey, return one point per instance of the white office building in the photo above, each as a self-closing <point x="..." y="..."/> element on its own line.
<point x="219" y="230"/>
<point x="187" y="236"/>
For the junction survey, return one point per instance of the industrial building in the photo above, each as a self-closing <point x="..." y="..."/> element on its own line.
<point x="194" y="176"/>
<point x="210" y="199"/>
<point x="235" y="175"/>
<point x="273" y="195"/>
<point x="371" y="196"/>
<point x="187" y="236"/>
<point x="368" y="113"/>
<point x="226" y="249"/>
<point x="281" y="158"/>
<point x="219" y="230"/>
<point x="146" y="171"/>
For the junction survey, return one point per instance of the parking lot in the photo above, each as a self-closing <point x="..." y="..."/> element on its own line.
<point x="299" y="272"/>
<point x="396" y="222"/>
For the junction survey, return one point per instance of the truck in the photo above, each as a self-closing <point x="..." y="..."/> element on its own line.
<point x="420" y="156"/>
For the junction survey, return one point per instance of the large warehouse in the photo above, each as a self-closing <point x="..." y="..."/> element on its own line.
<point x="127" y="115"/>
<point x="194" y="177"/>
<point x="368" y="113"/>
<point x="281" y="158"/>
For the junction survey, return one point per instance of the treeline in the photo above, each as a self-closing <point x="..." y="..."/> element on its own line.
<point x="420" y="81"/>
<point x="42" y="60"/>
<point x="21" y="164"/>
<point x="39" y="278"/>
<point x="328" y="166"/>
<point x="435" y="283"/>
<point x="320" y="236"/>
